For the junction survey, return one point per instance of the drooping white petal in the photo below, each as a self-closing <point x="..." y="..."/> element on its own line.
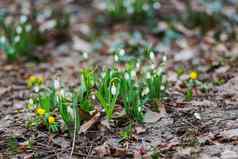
<point x="113" y="90"/>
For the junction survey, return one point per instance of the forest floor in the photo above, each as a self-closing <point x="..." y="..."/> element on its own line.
<point x="204" y="128"/>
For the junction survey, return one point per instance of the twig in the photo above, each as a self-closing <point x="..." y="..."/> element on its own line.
<point x="75" y="127"/>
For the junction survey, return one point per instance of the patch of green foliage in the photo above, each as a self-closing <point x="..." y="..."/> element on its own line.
<point x="136" y="11"/>
<point x="130" y="95"/>
<point x="58" y="107"/>
<point x="108" y="90"/>
<point x="18" y="40"/>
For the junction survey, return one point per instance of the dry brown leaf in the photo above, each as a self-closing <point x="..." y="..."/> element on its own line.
<point x="139" y="130"/>
<point x="102" y="150"/>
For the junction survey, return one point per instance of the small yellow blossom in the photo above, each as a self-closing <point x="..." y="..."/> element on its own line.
<point x="194" y="75"/>
<point x="35" y="81"/>
<point x="40" y="111"/>
<point x="51" y="120"/>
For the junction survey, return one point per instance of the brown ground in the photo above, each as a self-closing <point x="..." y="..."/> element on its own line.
<point x="177" y="134"/>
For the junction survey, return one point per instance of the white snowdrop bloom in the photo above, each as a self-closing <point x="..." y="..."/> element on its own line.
<point x="56" y="84"/>
<point x="23" y="19"/>
<point x="136" y="85"/>
<point x="164" y="58"/>
<point x="133" y="73"/>
<point x="138" y="65"/>
<point x="122" y="52"/>
<point x="130" y="10"/>
<point x="156" y="5"/>
<point x="113" y="90"/>
<point x="19" y="29"/>
<point x="139" y="109"/>
<point x="62" y="92"/>
<point x="145" y="91"/>
<point x="68" y="95"/>
<point x="70" y="111"/>
<point x="145" y="7"/>
<point x="148" y="75"/>
<point x="116" y="58"/>
<point x="51" y="24"/>
<point x="198" y="116"/>
<point x="3" y="39"/>
<point x="152" y="55"/>
<point x="103" y="74"/>
<point x="28" y="28"/>
<point x="162" y="87"/>
<point x="127" y="2"/>
<point x="36" y="89"/>
<point x="160" y="70"/>
<point x="40" y="18"/>
<point x="126" y="76"/>
<point x="17" y="39"/>
<point x="93" y="97"/>
<point x="152" y="66"/>
<point x="85" y="55"/>
<point x="31" y="101"/>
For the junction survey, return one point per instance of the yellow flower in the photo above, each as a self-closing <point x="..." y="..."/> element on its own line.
<point x="35" y="80"/>
<point x="51" y="120"/>
<point x="40" y="111"/>
<point x="194" y="75"/>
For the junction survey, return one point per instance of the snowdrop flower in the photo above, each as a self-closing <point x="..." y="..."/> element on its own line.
<point x="23" y="19"/>
<point x="93" y="97"/>
<point x="30" y="101"/>
<point x="164" y="58"/>
<point x="51" y="24"/>
<point x="127" y="76"/>
<point x="138" y="65"/>
<point x="156" y="5"/>
<point x="133" y="73"/>
<point x="148" y="75"/>
<point x="116" y="58"/>
<point x="3" y="39"/>
<point x="122" y="52"/>
<point x="152" y="55"/>
<point x="152" y="66"/>
<point x="145" y="7"/>
<point x="139" y="109"/>
<point x="160" y="70"/>
<point x="103" y="74"/>
<point x="56" y="84"/>
<point x="85" y="55"/>
<point x="17" y="39"/>
<point x="36" y="89"/>
<point x="28" y="28"/>
<point x="162" y="87"/>
<point x="136" y="85"/>
<point x="62" y="92"/>
<point x="19" y="29"/>
<point x="30" y="104"/>
<point x="145" y="91"/>
<point x="113" y="89"/>
<point x="130" y="10"/>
